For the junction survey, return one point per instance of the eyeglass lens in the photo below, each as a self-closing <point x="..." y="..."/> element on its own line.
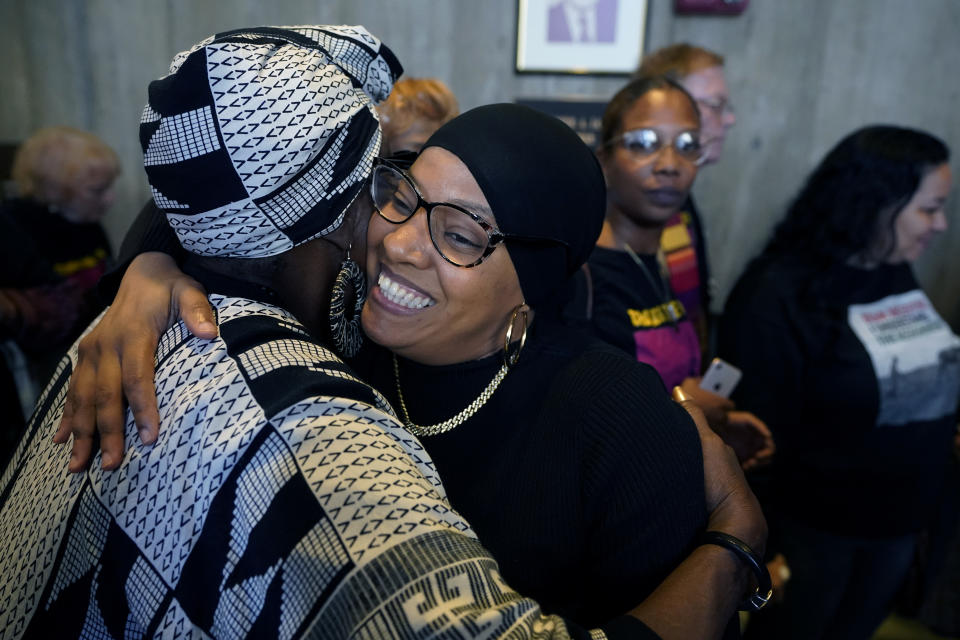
<point x="456" y="235"/>
<point x="648" y="142"/>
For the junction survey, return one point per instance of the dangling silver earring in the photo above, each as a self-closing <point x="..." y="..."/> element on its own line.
<point x="345" y="328"/>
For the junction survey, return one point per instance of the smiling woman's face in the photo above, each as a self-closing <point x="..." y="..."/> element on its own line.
<point x="421" y="306"/>
<point x="923" y="217"/>
<point x="649" y="189"/>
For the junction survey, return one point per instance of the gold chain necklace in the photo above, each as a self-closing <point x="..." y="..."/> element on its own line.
<point x="455" y="421"/>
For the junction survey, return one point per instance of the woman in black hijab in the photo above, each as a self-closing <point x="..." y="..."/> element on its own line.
<point x="561" y="458"/>
<point x="568" y="457"/>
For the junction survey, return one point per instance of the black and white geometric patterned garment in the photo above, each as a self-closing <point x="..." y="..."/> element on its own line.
<point x="286" y="129"/>
<point x="282" y="499"/>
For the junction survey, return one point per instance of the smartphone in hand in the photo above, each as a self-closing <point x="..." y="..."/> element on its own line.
<point x="721" y="378"/>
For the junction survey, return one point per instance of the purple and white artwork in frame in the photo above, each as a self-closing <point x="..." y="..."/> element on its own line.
<point x="582" y="21"/>
<point x="580" y="36"/>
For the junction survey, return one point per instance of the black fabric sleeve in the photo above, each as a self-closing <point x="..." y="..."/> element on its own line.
<point x="645" y="452"/>
<point x="643" y="482"/>
<point x="641" y="469"/>
<point x="149" y="232"/>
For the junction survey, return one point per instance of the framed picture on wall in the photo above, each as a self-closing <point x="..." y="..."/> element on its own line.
<point x="580" y="36"/>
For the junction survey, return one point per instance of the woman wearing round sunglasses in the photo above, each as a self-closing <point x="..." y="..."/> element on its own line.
<point x="650" y="156"/>
<point x="651" y="130"/>
<point x="569" y="460"/>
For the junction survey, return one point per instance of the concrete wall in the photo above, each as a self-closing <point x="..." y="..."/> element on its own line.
<point x="802" y="74"/>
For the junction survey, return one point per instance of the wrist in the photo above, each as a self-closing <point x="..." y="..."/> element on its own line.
<point x="740" y="515"/>
<point x="750" y="564"/>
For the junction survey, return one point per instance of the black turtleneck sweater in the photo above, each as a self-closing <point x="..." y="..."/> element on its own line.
<point x="579" y="474"/>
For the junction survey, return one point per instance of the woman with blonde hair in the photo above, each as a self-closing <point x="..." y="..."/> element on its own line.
<point x="51" y="231"/>
<point x="69" y="170"/>
<point x="54" y="249"/>
<point x="414" y="110"/>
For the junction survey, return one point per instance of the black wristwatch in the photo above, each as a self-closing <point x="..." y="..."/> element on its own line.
<point x="761" y="595"/>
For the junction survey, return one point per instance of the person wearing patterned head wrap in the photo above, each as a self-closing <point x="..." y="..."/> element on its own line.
<point x="260" y="140"/>
<point x="557" y="448"/>
<point x="282" y="498"/>
<point x="278" y="147"/>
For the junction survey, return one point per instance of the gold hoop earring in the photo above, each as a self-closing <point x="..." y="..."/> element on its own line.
<point x="510" y="359"/>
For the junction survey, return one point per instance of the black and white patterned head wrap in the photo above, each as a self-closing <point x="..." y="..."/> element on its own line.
<point x="260" y="139"/>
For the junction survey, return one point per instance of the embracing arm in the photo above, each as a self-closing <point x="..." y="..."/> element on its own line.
<point x="698" y="598"/>
<point x="116" y="359"/>
<point x="700" y="595"/>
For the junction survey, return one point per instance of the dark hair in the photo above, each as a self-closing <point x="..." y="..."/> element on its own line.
<point x="850" y="201"/>
<point x="633" y="91"/>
